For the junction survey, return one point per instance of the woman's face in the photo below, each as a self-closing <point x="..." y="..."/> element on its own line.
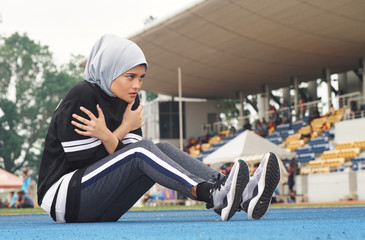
<point x="127" y="85"/>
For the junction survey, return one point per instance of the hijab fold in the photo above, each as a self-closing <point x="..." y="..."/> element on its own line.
<point x="110" y="57"/>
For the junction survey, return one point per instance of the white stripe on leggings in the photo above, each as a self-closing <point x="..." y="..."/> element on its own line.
<point x="145" y="152"/>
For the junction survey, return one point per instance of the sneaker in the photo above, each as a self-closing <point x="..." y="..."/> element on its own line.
<point x="227" y="191"/>
<point x="257" y="195"/>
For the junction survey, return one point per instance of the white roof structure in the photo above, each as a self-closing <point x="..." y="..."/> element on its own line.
<point x="228" y="46"/>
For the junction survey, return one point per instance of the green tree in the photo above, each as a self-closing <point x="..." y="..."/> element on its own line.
<point x="31" y="87"/>
<point x="230" y="108"/>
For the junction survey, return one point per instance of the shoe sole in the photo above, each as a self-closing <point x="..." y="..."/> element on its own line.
<point x="233" y="199"/>
<point x="267" y="184"/>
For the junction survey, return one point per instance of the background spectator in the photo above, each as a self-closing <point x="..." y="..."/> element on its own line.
<point x="247" y="125"/>
<point x="315" y="114"/>
<point x="258" y="129"/>
<point x="23" y="201"/>
<point x="27" y="183"/>
<point x="13" y="198"/>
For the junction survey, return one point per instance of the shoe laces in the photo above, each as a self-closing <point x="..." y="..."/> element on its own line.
<point x="219" y="181"/>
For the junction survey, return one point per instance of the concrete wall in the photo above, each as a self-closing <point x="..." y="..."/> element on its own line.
<point x="196" y="115"/>
<point x="348" y="82"/>
<point x="327" y="187"/>
<point x="331" y="187"/>
<point x="360" y="179"/>
<point x="350" y="130"/>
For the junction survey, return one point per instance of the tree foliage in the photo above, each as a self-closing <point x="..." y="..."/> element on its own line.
<point x="31" y="87"/>
<point x="230" y="108"/>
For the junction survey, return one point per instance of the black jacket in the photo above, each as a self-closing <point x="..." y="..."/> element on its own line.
<point x="65" y="150"/>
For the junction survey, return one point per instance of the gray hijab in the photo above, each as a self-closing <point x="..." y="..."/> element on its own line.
<point x="110" y="57"/>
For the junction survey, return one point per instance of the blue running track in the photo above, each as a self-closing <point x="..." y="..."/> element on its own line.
<point x="309" y="223"/>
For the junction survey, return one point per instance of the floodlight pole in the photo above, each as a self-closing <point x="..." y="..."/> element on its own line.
<point x="180" y="109"/>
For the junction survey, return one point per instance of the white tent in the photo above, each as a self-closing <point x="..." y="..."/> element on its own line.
<point x="247" y="146"/>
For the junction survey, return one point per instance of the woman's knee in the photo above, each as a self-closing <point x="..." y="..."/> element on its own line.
<point x="146" y="143"/>
<point x="163" y="145"/>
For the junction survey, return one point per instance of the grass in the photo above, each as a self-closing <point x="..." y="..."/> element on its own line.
<point x="319" y="205"/>
<point x="22" y="211"/>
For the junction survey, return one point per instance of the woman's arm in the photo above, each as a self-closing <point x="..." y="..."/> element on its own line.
<point x="96" y="127"/>
<point x="132" y="120"/>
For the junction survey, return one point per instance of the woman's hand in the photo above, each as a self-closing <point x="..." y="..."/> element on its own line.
<point x="95" y="127"/>
<point x="133" y="120"/>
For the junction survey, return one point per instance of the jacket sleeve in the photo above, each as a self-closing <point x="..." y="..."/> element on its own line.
<point x="77" y="147"/>
<point x="133" y="136"/>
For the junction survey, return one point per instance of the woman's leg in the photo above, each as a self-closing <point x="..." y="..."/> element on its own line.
<point x="119" y="180"/>
<point x="189" y="163"/>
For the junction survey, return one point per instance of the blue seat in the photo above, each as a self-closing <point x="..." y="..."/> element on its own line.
<point x="286" y="133"/>
<point x="305" y="157"/>
<point x="229" y="137"/>
<point x="218" y="144"/>
<point x="307" y="149"/>
<point x="358" y="162"/>
<point x="275" y="137"/>
<point x="330" y="133"/>
<point x="320" y="148"/>
<point x="340" y="169"/>
<point x="274" y="134"/>
<point x="283" y="127"/>
<point x="318" y="140"/>
<point x="298" y="125"/>
<point x="276" y="140"/>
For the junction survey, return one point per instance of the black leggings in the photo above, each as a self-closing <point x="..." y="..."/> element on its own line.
<point x="111" y="186"/>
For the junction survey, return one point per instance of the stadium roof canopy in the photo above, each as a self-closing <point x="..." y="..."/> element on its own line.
<point x="227" y="46"/>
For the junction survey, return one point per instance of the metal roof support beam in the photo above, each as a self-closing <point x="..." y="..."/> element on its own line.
<point x="296" y="96"/>
<point x="267" y="100"/>
<point x="180" y="109"/>
<point x="327" y="78"/>
<point x="312" y="90"/>
<point x="360" y="71"/>
<point x="286" y="95"/>
<point x="261" y="106"/>
<point x="242" y="98"/>
<point x="363" y="78"/>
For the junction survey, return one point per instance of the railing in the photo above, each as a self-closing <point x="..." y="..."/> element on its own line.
<point x="342" y="101"/>
<point x="151" y="128"/>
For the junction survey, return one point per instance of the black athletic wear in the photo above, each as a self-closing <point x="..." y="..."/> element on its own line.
<point x="65" y="150"/>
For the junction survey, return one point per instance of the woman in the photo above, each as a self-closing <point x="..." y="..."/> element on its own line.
<point x="95" y="165"/>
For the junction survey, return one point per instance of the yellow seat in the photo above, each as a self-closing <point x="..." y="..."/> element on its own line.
<point x="345" y="145"/>
<point x="194" y="153"/>
<point x="305" y="130"/>
<point x="294" y="144"/>
<point x="296" y="136"/>
<point x="205" y="146"/>
<point x="214" y="140"/>
<point x="317" y="124"/>
<point x="224" y="133"/>
<point x="359" y="144"/>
